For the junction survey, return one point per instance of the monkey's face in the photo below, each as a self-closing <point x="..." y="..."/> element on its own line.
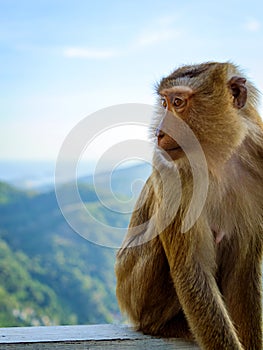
<point x="209" y="101"/>
<point x="176" y="103"/>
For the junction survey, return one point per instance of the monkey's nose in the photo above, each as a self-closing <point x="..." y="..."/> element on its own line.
<point x="159" y="133"/>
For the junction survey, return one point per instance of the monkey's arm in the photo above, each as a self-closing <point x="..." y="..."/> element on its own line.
<point x="191" y="258"/>
<point x="141" y="215"/>
<point x="144" y="287"/>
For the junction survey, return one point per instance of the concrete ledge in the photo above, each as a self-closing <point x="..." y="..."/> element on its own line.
<point x="85" y="337"/>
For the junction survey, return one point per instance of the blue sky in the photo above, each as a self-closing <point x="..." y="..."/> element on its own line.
<point x="61" y="60"/>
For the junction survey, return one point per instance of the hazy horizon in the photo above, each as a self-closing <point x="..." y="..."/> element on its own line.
<point x="38" y="174"/>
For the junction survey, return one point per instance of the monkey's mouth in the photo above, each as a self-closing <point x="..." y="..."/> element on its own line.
<point x="172" y="149"/>
<point x="174" y="152"/>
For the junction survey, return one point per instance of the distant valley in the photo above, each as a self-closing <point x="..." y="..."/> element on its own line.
<point x="48" y="273"/>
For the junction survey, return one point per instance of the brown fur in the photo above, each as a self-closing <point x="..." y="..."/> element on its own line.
<point x="204" y="284"/>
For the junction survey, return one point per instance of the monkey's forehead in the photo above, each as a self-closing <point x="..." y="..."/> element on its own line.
<point x="186" y="73"/>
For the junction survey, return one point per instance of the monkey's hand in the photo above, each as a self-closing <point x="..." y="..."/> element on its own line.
<point x="191" y="257"/>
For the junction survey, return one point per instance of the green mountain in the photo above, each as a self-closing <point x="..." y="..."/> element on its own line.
<point x="48" y="273"/>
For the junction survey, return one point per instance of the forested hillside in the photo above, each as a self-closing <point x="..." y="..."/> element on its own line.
<point x="48" y="273"/>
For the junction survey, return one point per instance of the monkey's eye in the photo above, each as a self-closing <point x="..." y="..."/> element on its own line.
<point x="178" y="102"/>
<point x="164" y="103"/>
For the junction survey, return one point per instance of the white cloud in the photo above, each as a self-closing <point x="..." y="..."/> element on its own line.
<point x="156" y="37"/>
<point x="253" y="25"/>
<point x="166" y="20"/>
<point x="161" y="30"/>
<point x="82" y="52"/>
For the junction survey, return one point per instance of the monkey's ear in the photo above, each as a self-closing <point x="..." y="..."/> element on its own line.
<point x="238" y="90"/>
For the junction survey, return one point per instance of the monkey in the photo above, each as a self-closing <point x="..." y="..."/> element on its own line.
<point x="199" y="281"/>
